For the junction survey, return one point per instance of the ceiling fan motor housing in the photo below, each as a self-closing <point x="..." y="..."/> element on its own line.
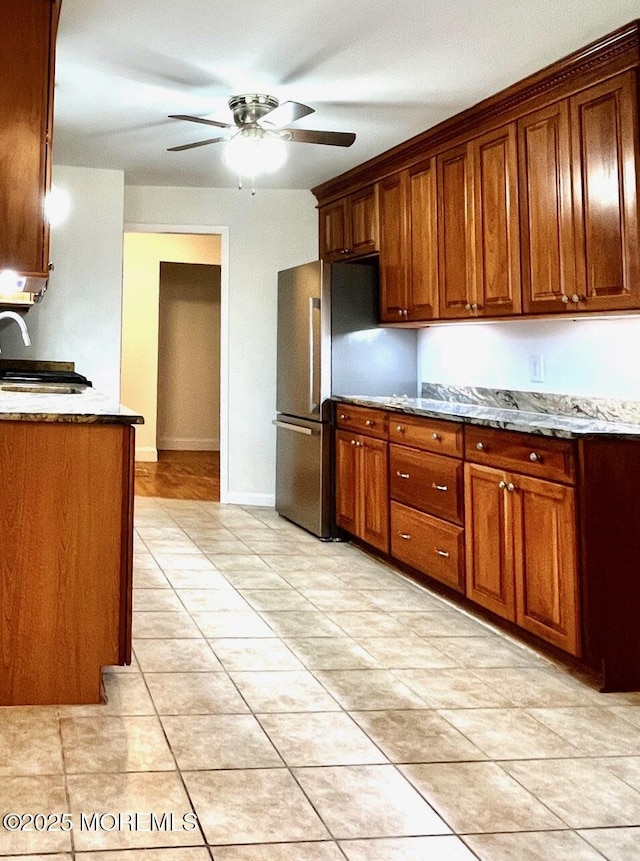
<point x="251" y="107"/>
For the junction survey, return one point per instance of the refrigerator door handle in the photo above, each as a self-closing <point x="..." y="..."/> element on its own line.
<point x="314" y="369"/>
<point x="294" y="428"/>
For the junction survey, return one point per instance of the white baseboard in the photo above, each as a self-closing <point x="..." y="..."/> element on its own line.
<point x="189" y="444"/>
<point x="146" y="454"/>
<point x="264" y="500"/>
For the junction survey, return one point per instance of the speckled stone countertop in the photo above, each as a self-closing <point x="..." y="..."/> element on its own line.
<point x="516" y="419"/>
<point x="83" y="407"/>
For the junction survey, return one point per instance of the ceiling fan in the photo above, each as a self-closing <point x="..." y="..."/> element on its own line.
<point x="263" y="123"/>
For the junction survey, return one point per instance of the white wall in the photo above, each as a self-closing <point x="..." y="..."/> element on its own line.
<point x="597" y="358"/>
<point x="79" y="318"/>
<point x="189" y="357"/>
<point x="270" y="231"/>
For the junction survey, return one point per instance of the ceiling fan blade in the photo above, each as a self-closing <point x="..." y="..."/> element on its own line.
<point x="287" y="112"/>
<point x="199" y="120"/>
<point x="192" y="145"/>
<point x="328" y="138"/>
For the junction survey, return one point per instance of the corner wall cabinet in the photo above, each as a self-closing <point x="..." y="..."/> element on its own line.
<point x="27" y="53"/>
<point x="540" y="531"/>
<point x="534" y="203"/>
<point x="349" y="227"/>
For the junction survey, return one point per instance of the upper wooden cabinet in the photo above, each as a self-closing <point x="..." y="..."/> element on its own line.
<point x="604" y="150"/>
<point x="478" y="227"/>
<point x="27" y="43"/>
<point x="408" y="245"/>
<point x="349" y="226"/>
<point x="537" y="198"/>
<point x="579" y="201"/>
<point x="546" y="210"/>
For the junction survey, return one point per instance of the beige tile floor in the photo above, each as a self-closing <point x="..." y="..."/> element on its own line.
<point x="308" y="703"/>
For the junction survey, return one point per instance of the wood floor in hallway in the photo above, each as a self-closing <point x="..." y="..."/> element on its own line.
<point x="181" y="475"/>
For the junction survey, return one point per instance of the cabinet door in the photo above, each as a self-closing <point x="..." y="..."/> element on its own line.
<point x="422" y="208"/>
<point x="332" y="223"/>
<point x="363" y="221"/>
<point x="604" y="143"/>
<point x="26" y="60"/>
<point x="374" y="493"/>
<point x="346" y="481"/>
<point x="489" y="541"/>
<point x="455" y="232"/>
<point x="546" y="561"/>
<point x="496" y="223"/>
<point x="393" y="263"/>
<point x="547" y="237"/>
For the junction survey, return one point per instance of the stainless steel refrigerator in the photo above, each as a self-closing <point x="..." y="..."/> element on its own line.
<point x="329" y="343"/>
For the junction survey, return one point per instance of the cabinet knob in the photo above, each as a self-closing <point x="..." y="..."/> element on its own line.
<point x="442" y="487"/>
<point x="399" y="428"/>
<point x="564" y="298"/>
<point x="369" y="423"/>
<point x="342" y="416"/>
<point x="402" y="474"/>
<point x="474" y="306"/>
<point x="405" y="536"/>
<point x="442" y="553"/>
<point x="353" y="442"/>
<point x="468" y="306"/>
<point x="502" y="484"/>
<point x="535" y="457"/>
<point x="511" y="487"/>
<point x="406" y="312"/>
<point x="435" y="436"/>
<point x="480" y="446"/>
<point x="400" y="312"/>
<point x="575" y="298"/>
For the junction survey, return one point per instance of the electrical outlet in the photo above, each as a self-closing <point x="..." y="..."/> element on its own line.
<point x="536" y="369"/>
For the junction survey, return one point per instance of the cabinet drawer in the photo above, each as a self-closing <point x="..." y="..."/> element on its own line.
<point x="429" y="482"/>
<point x="429" y="545"/>
<point x="441" y="437"/>
<point x="540" y="457"/>
<point x="362" y="420"/>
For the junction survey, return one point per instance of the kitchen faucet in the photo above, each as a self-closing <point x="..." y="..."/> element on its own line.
<point x="11" y="315"/>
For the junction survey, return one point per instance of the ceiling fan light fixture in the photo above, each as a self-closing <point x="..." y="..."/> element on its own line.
<point x="253" y="153"/>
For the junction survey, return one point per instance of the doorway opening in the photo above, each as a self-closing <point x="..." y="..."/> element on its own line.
<point x="174" y="359"/>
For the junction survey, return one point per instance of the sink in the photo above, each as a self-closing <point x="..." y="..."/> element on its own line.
<point x="42" y="388"/>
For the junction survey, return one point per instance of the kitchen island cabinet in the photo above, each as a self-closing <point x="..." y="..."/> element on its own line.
<point x="66" y="524"/>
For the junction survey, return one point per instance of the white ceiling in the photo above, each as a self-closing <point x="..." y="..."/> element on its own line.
<point x="385" y="69"/>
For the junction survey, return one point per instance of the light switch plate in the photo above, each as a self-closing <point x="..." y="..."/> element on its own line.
<point x="536" y="369"/>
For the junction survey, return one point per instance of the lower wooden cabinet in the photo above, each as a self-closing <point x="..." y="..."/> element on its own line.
<point x="362" y="488"/>
<point x="428" y="544"/>
<point x="521" y="552"/>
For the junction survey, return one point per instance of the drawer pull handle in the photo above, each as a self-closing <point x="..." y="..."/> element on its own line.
<point x="369" y="423"/>
<point x="403" y="474"/>
<point x="399" y="428"/>
<point x="480" y="446"/>
<point x="405" y="536"/>
<point x="439" y="486"/>
<point x="442" y="553"/>
<point x="435" y="436"/>
<point x="535" y="457"/>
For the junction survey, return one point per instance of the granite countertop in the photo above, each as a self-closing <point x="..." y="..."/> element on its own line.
<point x="525" y="421"/>
<point x="84" y="407"/>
